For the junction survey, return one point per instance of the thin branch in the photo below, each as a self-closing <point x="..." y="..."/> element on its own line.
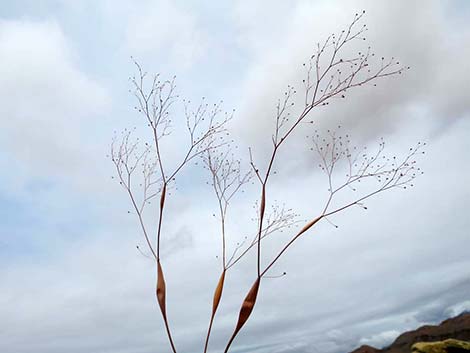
<point x="386" y="171"/>
<point x="227" y="179"/>
<point x="330" y="75"/>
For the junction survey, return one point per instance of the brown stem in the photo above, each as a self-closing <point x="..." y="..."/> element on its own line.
<point x="161" y="298"/>
<point x="160" y="218"/>
<point x="260" y="230"/>
<point x="215" y="305"/>
<point x="250" y="299"/>
<point x="245" y="311"/>
<point x="303" y="230"/>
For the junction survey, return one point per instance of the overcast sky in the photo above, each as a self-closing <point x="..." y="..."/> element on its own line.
<point x="71" y="279"/>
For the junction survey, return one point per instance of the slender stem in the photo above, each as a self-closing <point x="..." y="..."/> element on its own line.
<point x="206" y="344"/>
<point x="302" y="231"/>
<point x="137" y="210"/>
<point x="169" y="335"/>
<point x="209" y="330"/>
<point x="222" y="215"/>
<point x="160" y="219"/>
<point x="260" y="229"/>
<point x="161" y="299"/>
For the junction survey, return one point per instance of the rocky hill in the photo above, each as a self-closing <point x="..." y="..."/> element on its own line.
<point x="457" y="328"/>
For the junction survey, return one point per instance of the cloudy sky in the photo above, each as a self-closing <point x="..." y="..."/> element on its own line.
<point x="71" y="279"/>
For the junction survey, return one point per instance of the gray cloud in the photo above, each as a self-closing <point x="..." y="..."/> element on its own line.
<point x="427" y="36"/>
<point x="398" y="265"/>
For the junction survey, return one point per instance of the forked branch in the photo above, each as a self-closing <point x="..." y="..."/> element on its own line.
<point x="205" y="125"/>
<point x="353" y="175"/>
<point x="330" y="73"/>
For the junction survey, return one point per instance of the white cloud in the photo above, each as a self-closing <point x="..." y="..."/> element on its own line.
<point x="380" y="340"/>
<point x="458" y="308"/>
<point x="47" y="103"/>
<point x="166" y="30"/>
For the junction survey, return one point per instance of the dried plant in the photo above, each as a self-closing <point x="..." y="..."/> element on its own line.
<point x="204" y="125"/>
<point x="330" y="73"/>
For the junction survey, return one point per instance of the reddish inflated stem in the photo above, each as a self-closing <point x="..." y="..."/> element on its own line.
<point x="218" y="293"/>
<point x="162" y="197"/>
<point x="161" y="289"/>
<point x="245" y="311"/>
<point x="263" y="202"/>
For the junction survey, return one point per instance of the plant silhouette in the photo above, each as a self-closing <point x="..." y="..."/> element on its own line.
<point x="331" y="72"/>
